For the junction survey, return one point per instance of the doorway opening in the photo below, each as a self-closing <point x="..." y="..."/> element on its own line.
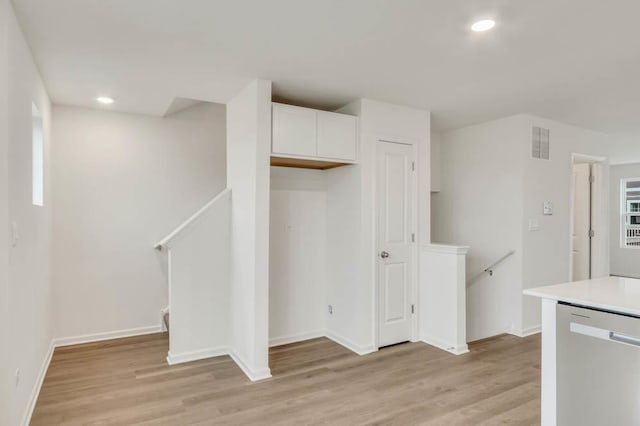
<point x="588" y="221"/>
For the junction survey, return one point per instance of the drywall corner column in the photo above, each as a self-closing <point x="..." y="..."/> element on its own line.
<point x="248" y="148"/>
<point x="443" y="297"/>
<point x="4" y="217"/>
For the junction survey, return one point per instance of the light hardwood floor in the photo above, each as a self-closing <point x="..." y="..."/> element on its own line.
<point x="127" y="381"/>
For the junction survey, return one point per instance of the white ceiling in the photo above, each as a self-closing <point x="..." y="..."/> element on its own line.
<point x="576" y="61"/>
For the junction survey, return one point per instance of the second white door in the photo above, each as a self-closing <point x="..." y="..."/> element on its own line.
<point x="581" y="233"/>
<point x="395" y="241"/>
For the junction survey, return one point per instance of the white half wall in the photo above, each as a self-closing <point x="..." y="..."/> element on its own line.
<point x="443" y="297"/>
<point x="199" y="285"/>
<point x="297" y="255"/>
<point x="122" y="182"/>
<point x="248" y="148"/>
<point x="624" y="261"/>
<point x="25" y="263"/>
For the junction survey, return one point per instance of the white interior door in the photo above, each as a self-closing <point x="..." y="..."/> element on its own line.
<point x="395" y="246"/>
<point x="581" y="241"/>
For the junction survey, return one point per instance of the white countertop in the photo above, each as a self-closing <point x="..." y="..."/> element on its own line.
<point x="612" y="293"/>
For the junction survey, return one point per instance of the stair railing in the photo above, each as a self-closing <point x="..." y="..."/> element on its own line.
<point x="490" y="269"/>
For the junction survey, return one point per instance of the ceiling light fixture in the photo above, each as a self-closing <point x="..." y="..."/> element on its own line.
<point x="105" y="100"/>
<point x="484" y="25"/>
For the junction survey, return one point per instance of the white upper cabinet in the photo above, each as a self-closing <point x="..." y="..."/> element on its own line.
<point x="336" y="136"/>
<point x="313" y="134"/>
<point x="294" y="131"/>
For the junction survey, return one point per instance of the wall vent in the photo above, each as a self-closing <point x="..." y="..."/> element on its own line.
<point x="540" y="143"/>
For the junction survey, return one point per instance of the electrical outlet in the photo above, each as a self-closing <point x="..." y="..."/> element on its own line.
<point x="17" y="377"/>
<point x="330" y="310"/>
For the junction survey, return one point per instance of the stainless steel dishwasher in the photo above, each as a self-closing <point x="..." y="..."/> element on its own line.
<point x="598" y="367"/>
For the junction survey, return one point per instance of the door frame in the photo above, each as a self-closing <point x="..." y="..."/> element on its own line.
<point x="415" y="249"/>
<point x="601" y="199"/>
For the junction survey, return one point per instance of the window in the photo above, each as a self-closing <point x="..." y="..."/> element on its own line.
<point x="37" y="156"/>
<point x="630" y="195"/>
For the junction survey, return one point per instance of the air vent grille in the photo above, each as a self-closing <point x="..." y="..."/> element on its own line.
<point x="540" y="143"/>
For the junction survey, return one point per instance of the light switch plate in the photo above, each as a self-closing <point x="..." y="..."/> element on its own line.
<point x="547" y="208"/>
<point x="534" y="225"/>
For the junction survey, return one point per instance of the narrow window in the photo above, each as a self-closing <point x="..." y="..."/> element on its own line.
<point x="630" y="208"/>
<point x="37" y="147"/>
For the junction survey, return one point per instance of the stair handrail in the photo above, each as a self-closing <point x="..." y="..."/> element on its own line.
<point x="163" y="242"/>
<point x="489" y="269"/>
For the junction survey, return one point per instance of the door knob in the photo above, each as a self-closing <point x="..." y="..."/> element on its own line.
<point x="384" y="254"/>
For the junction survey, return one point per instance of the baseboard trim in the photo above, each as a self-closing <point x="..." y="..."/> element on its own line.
<point x="254" y="376"/>
<point x="294" y="338"/>
<point x="440" y="344"/>
<point x="341" y="340"/>
<point x="529" y="331"/>
<point x="196" y="355"/>
<point x="35" y="393"/>
<point x="98" y="337"/>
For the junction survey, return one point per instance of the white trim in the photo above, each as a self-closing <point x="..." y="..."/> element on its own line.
<point x="254" y="376"/>
<point x="440" y="344"/>
<point x="343" y="341"/>
<point x="35" y="393"/>
<point x="300" y="337"/>
<point x="196" y="355"/>
<point x="526" y="332"/>
<point x="98" y="337"/>
<point x="166" y="240"/>
<point x="445" y="248"/>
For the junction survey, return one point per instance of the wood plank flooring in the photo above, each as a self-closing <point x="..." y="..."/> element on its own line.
<point x="317" y="382"/>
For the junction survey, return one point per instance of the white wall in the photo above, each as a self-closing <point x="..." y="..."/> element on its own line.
<point x="624" y="261"/>
<point x="348" y="322"/>
<point x="351" y="224"/>
<point x="4" y="216"/>
<point x="199" y="285"/>
<point x="28" y="295"/>
<point x="122" y="182"/>
<point x="248" y="148"/>
<point x="547" y="251"/>
<point x="487" y="170"/>
<point x="480" y="205"/>
<point x="436" y="162"/>
<point x="625" y="149"/>
<point x="297" y="255"/>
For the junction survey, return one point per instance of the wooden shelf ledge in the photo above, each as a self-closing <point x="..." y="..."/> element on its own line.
<point x="300" y="163"/>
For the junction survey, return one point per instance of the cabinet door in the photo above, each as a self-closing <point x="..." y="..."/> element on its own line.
<point x="294" y="131"/>
<point x="336" y="135"/>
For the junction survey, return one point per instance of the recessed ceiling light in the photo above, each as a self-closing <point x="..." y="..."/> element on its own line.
<point x="484" y="25"/>
<point x="105" y="100"/>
